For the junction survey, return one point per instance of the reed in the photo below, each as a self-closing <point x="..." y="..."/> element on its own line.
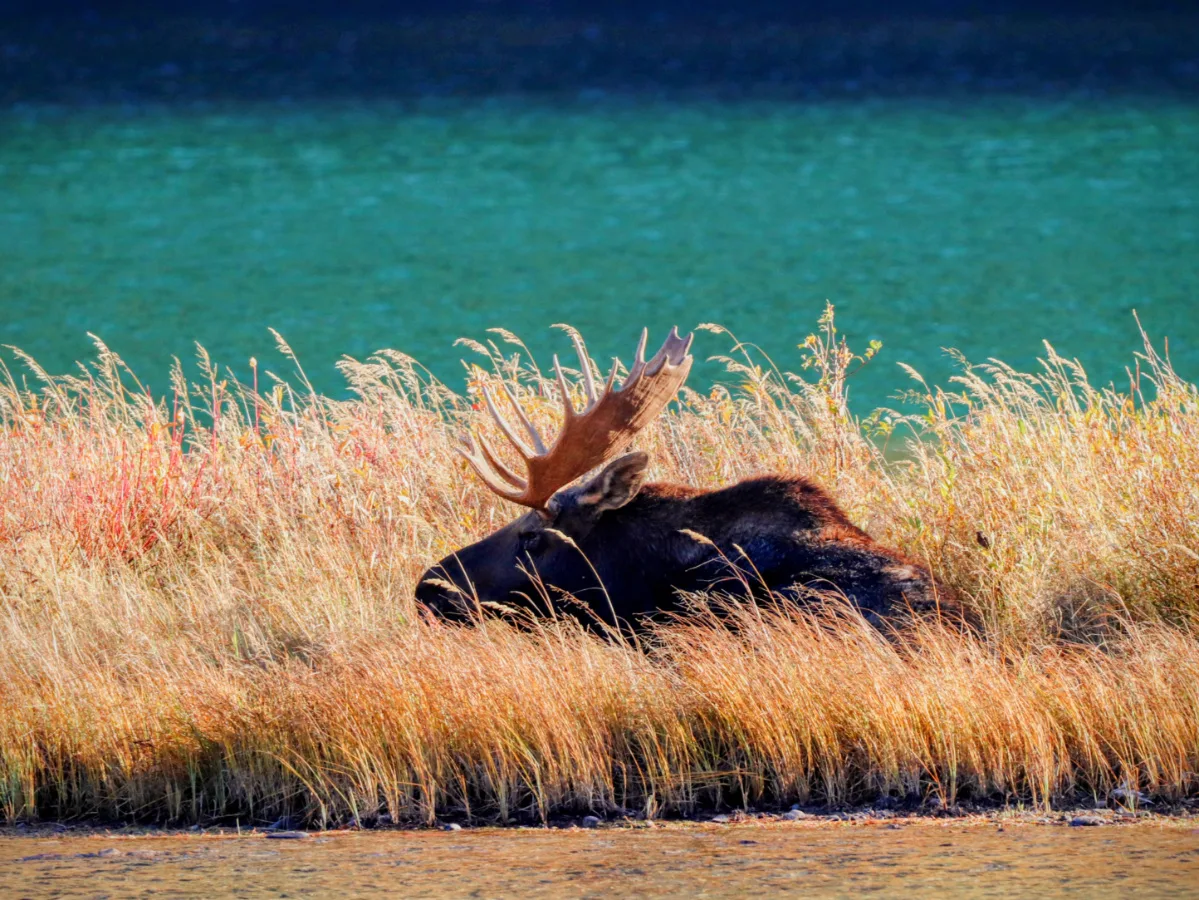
<point x="206" y="601"/>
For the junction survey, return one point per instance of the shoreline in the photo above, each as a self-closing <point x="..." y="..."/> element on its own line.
<point x="1183" y="815"/>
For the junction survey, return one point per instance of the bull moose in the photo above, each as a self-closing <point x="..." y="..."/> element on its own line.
<point x="625" y="549"/>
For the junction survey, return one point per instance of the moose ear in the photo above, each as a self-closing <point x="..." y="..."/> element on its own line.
<point x="616" y="484"/>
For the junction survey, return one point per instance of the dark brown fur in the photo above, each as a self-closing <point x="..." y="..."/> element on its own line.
<point x="774" y="534"/>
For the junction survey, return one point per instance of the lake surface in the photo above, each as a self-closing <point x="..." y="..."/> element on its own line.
<point x="986" y="224"/>
<point x="982" y="860"/>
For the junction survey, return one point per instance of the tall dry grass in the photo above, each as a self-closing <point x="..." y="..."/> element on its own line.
<point x="205" y="601"/>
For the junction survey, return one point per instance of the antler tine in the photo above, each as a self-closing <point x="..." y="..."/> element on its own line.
<point x="499" y="467"/>
<point x="568" y="408"/>
<point x="673" y="349"/>
<point x="471" y="454"/>
<point x="611" y="376"/>
<point x="521" y="447"/>
<point x="538" y="444"/>
<point x="638" y="360"/>
<point x="585" y="368"/>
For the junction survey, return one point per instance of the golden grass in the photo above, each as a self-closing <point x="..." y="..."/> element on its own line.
<point x="205" y="603"/>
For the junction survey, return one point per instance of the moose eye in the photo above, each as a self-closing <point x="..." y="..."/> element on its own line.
<point x="531" y="541"/>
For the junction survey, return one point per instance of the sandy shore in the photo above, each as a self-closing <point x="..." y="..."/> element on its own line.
<point x="1184" y="815"/>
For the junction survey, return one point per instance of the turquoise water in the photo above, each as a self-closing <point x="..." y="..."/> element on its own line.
<point x="982" y="224"/>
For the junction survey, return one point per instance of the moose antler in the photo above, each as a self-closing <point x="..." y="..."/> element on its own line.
<point x="588" y="438"/>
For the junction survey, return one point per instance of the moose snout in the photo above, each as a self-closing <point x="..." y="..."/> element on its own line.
<point x="439" y="596"/>
<point x="431" y="593"/>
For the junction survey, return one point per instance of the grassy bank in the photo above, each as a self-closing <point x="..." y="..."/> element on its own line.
<point x="205" y="602"/>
